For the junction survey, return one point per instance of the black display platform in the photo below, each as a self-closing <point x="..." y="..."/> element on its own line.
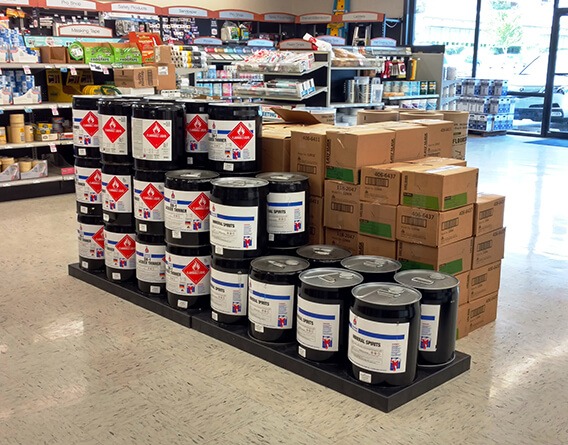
<point x="334" y="377"/>
<point x="129" y="292"/>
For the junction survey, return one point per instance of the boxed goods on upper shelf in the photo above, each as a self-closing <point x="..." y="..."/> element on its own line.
<point x="277" y="88"/>
<point x="345" y="58"/>
<point x="17" y="87"/>
<point x="91" y="52"/>
<point x="277" y="61"/>
<point x="126" y="54"/>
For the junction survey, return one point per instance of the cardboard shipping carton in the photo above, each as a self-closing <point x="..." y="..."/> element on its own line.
<point x="489" y="213"/>
<point x="126" y="54"/>
<point x="452" y="259"/>
<point x="439" y="188"/>
<point x="369" y="245"/>
<point x="432" y="228"/>
<point x="459" y="142"/>
<point x="315" y="220"/>
<point x="437" y="161"/>
<point x="276" y="149"/>
<point x="307" y="155"/>
<point x="488" y="248"/>
<point x="440" y="135"/>
<point x="482" y="311"/>
<point x="410" y="140"/>
<point x="464" y="287"/>
<point x="381" y="183"/>
<point x="139" y="77"/>
<point x="349" y="150"/>
<point x="343" y="238"/>
<point x="166" y="73"/>
<point x="463" y="322"/>
<point x="53" y="54"/>
<point x="484" y="280"/>
<point x="420" y="114"/>
<point x="341" y="206"/>
<point x="163" y="54"/>
<point x="373" y="116"/>
<point x="378" y="220"/>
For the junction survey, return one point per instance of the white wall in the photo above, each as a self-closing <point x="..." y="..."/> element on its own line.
<point x="392" y="8"/>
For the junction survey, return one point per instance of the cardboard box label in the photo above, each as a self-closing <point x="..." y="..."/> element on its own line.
<point x="340" y="174"/>
<point x="432" y="202"/>
<point x="452" y="259"/>
<point x="485" y="280"/>
<point x="343" y="238"/>
<point x="341" y="206"/>
<point x="489" y="248"/>
<point x="377" y="220"/>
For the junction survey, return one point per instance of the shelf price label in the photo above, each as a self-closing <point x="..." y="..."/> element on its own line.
<point x="96" y="67"/>
<point x="28" y="110"/>
<point x="73" y="71"/>
<point x="52" y="148"/>
<point x="105" y="70"/>
<point x="27" y="70"/>
<point x="63" y="69"/>
<point x="54" y="110"/>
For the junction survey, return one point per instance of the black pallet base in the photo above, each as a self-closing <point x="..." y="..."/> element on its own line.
<point x="334" y="377"/>
<point x="129" y="292"/>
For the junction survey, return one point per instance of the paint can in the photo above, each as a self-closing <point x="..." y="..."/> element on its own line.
<point x="439" y="313"/>
<point x="287" y="209"/>
<point x="238" y="217"/>
<point x="188" y="276"/>
<point x="86" y="126"/>
<point x="196" y="132"/>
<point x="375" y="269"/>
<point x="158" y="136"/>
<point x="323" y="255"/>
<point x="273" y="285"/>
<point x="149" y="202"/>
<point x="88" y="187"/>
<point x="120" y="253"/>
<point x="116" y="194"/>
<point x="235" y="134"/>
<point x="384" y="330"/>
<point x="229" y="290"/>
<point x="151" y="264"/>
<point x="115" y="129"/>
<point x="323" y="304"/>
<point x="91" y="237"/>
<point x="186" y="195"/>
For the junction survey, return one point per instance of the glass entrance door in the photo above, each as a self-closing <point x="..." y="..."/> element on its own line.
<point x="556" y="98"/>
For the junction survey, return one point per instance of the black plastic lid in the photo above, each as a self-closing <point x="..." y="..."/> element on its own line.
<point x="86" y="102"/>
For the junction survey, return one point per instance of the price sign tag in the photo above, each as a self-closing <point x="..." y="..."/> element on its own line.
<point x="105" y="70"/>
<point x="27" y="110"/>
<point x="27" y="70"/>
<point x="54" y="110"/>
<point x="52" y="148"/>
<point x="0" y="71"/>
<point x="73" y="71"/>
<point x="96" y="67"/>
<point x="63" y="69"/>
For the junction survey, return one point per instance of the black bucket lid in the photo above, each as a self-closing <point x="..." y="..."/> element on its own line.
<point x="426" y="279"/>
<point x="371" y="264"/>
<point x="279" y="264"/>
<point x="331" y="277"/>
<point x="86" y="102"/>
<point x="243" y="183"/>
<point x="283" y="177"/>
<point x="386" y="294"/>
<point x="323" y="252"/>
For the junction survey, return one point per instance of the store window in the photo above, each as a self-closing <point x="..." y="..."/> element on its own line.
<point x="450" y="23"/>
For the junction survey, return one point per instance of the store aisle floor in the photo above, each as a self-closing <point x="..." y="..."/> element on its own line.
<point x="80" y="366"/>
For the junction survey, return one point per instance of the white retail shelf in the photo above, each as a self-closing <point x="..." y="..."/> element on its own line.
<point x="34" y="144"/>
<point x="266" y="99"/>
<point x="356" y="105"/>
<point x="223" y="80"/>
<point x="42" y="66"/>
<point x="50" y="178"/>
<point x="186" y="71"/>
<point x="42" y="106"/>
<point x="354" y="68"/>
<point x="422" y="96"/>
<point x="315" y="67"/>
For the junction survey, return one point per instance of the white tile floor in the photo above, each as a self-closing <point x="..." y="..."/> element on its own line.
<point x="79" y="366"/>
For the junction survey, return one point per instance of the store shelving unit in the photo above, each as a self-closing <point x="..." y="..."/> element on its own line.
<point x="54" y="184"/>
<point x="421" y="96"/>
<point x="35" y="144"/>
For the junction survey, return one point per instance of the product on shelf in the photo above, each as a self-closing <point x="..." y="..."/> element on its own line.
<point x="277" y="61"/>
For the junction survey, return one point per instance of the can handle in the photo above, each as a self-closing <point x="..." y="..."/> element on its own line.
<point x="421" y="280"/>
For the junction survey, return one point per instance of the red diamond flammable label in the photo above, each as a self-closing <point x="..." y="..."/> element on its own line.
<point x="151" y="196"/>
<point x="197" y="128"/>
<point x="113" y="130"/>
<point x="126" y="246"/>
<point x="99" y="237"/>
<point x="116" y="188"/>
<point x="156" y="135"/>
<point x="90" y="123"/>
<point x="240" y="135"/>
<point x="95" y="181"/>
<point x="200" y="206"/>
<point x="196" y="270"/>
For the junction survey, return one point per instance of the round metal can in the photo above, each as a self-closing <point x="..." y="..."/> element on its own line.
<point x="439" y="314"/>
<point x="373" y="268"/>
<point x="116" y="194"/>
<point x="187" y="194"/>
<point x="323" y="255"/>
<point x="151" y="264"/>
<point x="384" y="331"/>
<point x="149" y="202"/>
<point x="238" y="217"/>
<point x="287" y="209"/>
<point x="323" y="301"/>
<point x="88" y="187"/>
<point x="86" y="126"/>
<point x="91" y="238"/>
<point x="120" y="253"/>
<point x="229" y="290"/>
<point x="115" y="129"/>
<point x="273" y="285"/>
<point x="196" y="132"/>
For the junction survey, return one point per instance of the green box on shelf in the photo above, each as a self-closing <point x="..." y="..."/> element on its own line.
<point x="126" y="54"/>
<point x="87" y="52"/>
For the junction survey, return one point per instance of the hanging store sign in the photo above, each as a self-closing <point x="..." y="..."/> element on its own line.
<point x="279" y="17"/>
<point x="236" y="15"/>
<point x="265" y="43"/>
<point x="207" y="41"/>
<point x="133" y="8"/>
<point x="333" y="40"/>
<point x="361" y="16"/>
<point x="295" y="44"/>
<point x="185" y="11"/>
<point x="315" y="18"/>
<point x="383" y="42"/>
<point x="82" y="5"/>
<point x="15" y="2"/>
<point x="84" y="30"/>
